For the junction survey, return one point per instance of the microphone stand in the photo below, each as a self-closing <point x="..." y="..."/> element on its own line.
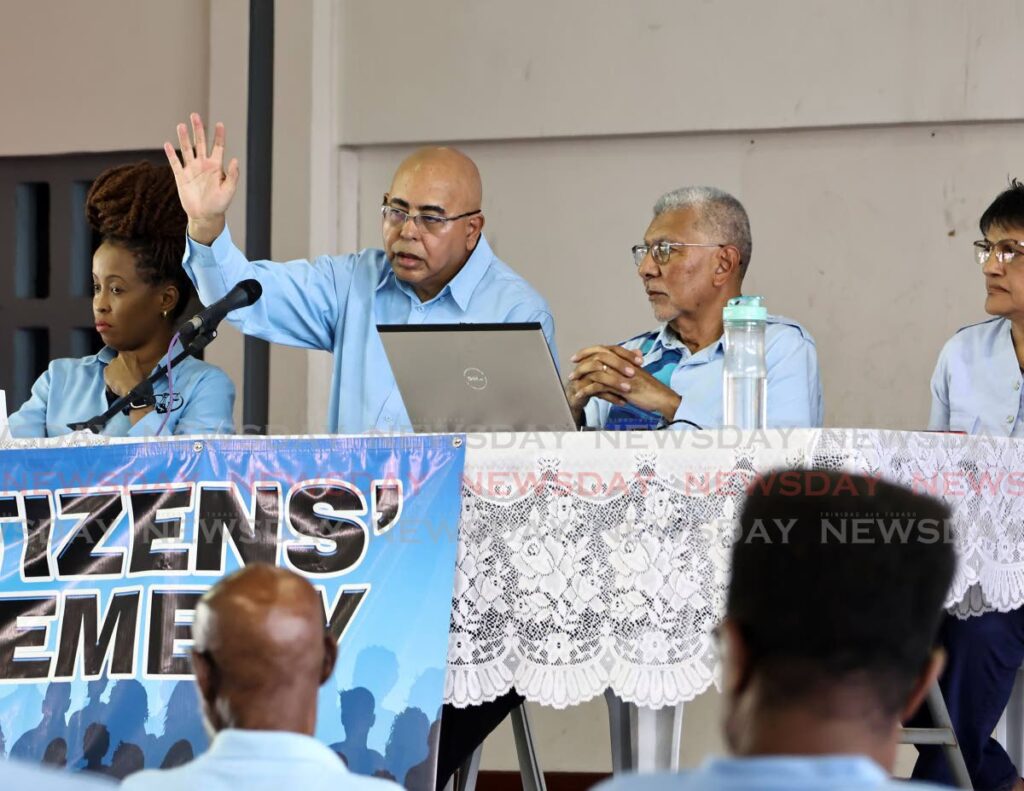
<point x="142" y="393"/>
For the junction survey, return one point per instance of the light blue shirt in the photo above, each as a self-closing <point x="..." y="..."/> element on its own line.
<point x="336" y="302"/>
<point x="976" y="386"/>
<point x="785" y="773"/>
<point x="73" y="389"/>
<point x="18" y="775"/>
<point x="794" y="384"/>
<point x="271" y="760"/>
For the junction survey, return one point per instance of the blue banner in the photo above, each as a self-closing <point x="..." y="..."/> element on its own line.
<point x="106" y="549"/>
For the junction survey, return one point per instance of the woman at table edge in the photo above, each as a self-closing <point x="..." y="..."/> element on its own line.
<point x="977" y="388"/>
<point x="140" y="292"/>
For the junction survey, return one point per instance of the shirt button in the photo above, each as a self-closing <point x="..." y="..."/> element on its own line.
<point x="1016" y="385"/>
<point x="389" y="419"/>
<point x="1009" y="418"/>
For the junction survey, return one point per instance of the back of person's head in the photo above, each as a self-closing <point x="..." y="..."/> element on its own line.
<point x="838" y="579"/>
<point x="261" y="650"/>
<point x="137" y="207"/>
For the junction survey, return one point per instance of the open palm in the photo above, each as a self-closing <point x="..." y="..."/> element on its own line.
<point x="204" y="187"/>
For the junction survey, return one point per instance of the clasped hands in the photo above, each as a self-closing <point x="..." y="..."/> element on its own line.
<point x="616" y="375"/>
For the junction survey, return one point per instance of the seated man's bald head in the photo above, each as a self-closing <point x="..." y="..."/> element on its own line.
<point x="261" y="651"/>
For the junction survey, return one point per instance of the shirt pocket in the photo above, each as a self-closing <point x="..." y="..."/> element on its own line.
<point x="962" y="420"/>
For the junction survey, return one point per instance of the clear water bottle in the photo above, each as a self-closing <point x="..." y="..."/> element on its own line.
<point x="745" y="377"/>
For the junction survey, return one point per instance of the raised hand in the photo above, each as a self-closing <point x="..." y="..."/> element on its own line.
<point x="204" y="187"/>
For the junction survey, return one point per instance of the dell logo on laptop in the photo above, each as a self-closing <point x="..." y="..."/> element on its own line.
<point x="475" y="378"/>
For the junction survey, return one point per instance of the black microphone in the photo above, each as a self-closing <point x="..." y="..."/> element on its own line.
<point x="206" y="320"/>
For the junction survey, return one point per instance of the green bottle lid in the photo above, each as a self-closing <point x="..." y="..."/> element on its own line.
<point x="745" y="309"/>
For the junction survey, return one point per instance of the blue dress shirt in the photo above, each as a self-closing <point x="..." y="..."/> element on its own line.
<point x="785" y="773"/>
<point x="794" y="385"/>
<point x="976" y="386"/>
<point x="259" y="760"/>
<point x="336" y="302"/>
<point x="71" y="390"/>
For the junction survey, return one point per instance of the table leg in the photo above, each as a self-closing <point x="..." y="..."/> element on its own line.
<point x="643" y="739"/>
<point x="621" y="733"/>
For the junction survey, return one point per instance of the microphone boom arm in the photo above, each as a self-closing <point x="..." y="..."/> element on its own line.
<point x="144" y="389"/>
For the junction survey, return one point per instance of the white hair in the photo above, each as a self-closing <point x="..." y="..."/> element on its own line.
<point x="721" y="216"/>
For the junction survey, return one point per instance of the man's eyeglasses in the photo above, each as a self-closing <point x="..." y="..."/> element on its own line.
<point x="428" y="223"/>
<point x="1005" y="250"/>
<point x="662" y="251"/>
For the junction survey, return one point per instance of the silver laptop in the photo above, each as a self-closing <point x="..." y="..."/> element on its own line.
<point x="477" y="377"/>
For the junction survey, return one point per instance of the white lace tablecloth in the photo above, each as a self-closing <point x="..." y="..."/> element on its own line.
<point x="593" y="561"/>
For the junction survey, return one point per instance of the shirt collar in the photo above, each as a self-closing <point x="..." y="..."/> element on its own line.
<point x="244" y="744"/>
<point x="834" y="768"/>
<point x="1005" y="350"/>
<point x="462" y="286"/>
<point x="668" y="338"/>
<point x="103" y="356"/>
<point x="106" y="354"/>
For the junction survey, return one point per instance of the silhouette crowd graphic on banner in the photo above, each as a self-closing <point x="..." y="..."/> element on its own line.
<point x="116" y="738"/>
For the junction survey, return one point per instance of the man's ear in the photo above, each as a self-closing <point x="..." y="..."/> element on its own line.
<point x="727" y="264"/>
<point x="330" y="657"/>
<point x="737" y="669"/>
<point x="206" y="677"/>
<point x="925" y="681"/>
<point x="474" y="227"/>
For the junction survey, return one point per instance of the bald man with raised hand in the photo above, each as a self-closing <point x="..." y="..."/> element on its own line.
<point x="435" y="268"/>
<point x="260" y="653"/>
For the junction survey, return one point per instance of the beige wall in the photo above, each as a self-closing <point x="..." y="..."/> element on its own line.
<point x="490" y="69"/>
<point x="102" y="75"/>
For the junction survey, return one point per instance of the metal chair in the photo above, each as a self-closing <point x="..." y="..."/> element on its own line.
<point x="941" y="734"/>
<point x="529" y="767"/>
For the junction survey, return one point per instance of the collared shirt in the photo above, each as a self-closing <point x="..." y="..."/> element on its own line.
<point x="976" y="386"/>
<point x="336" y="302"/>
<point x="73" y="389"/>
<point x="794" y="385"/>
<point x="255" y="760"/>
<point x="785" y="773"/>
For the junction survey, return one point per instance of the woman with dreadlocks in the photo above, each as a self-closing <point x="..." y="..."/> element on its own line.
<point x="139" y="294"/>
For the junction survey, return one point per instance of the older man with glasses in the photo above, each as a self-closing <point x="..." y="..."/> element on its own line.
<point x="692" y="261"/>
<point x="436" y="268"/>
<point x="976" y="388"/>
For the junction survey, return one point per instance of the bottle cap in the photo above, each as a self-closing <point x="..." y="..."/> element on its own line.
<point x="745" y="309"/>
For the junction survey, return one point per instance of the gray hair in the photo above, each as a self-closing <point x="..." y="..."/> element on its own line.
<point x="721" y="216"/>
